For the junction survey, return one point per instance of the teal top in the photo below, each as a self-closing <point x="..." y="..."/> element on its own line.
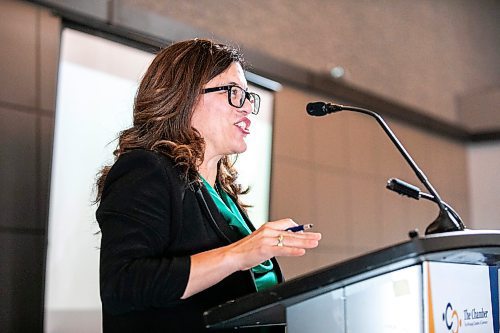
<point x="264" y="274"/>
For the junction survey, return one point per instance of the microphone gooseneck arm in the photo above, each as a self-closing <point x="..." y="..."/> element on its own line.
<point x="418" y="172"/>
<point x="444" y="221"/>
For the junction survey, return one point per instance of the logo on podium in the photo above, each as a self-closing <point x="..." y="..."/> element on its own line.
<point x="451" y="319"/>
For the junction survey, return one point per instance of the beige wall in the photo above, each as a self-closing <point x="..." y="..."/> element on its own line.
<point x="484" y="165"/>
<point x="422" y="53"/>
<point x="332" y="171"/>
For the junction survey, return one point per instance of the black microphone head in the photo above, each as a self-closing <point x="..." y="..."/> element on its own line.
<point x="317" y="109"/>
<point x="403" y="188"/>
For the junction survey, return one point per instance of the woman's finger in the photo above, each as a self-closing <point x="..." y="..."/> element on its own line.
<point x="284" y="240"/>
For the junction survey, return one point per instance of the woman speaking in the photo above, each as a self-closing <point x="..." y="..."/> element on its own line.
<point x="176" y="240"/>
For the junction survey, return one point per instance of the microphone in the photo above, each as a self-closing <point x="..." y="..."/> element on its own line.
<point x="320" y="109"/>
<point x="446" y="221"/>
<point x="409" y="190"/>
<point x="403" y="188"/>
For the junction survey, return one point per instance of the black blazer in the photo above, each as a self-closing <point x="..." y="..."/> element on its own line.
<point x="151" y="223"/>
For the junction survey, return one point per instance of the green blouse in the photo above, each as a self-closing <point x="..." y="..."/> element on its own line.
<point x="264" y="274"/>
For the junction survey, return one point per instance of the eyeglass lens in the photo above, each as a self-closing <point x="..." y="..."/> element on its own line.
<point x="238" y="96"/>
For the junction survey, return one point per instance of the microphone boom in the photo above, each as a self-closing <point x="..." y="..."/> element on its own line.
<point x="445" y="221"/>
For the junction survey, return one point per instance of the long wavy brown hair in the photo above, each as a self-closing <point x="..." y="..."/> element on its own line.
<point x="164" y="106"/>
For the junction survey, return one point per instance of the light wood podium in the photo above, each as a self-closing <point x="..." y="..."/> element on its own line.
<point x="440" y="283"/>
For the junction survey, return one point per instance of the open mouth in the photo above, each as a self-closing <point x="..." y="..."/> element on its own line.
<point x="244" y="125"/>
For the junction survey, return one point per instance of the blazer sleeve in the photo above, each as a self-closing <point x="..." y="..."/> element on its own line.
<point x="136" y="218"/>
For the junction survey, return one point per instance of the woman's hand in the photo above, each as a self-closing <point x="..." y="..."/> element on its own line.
<point x="262" y="244"/>
<point x="210" y="267"/>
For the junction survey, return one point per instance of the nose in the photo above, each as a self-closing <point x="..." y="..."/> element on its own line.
<point x="246" y="108"/>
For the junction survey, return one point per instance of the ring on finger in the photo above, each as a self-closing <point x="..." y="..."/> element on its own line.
<point x="280" y="240"/>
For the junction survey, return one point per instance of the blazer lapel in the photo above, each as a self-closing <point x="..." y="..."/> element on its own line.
<point x="222" y="227"/>
<point x="216" y="219"/>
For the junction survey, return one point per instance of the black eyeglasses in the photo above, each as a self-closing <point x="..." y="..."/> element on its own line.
<point x="236" y="96"/>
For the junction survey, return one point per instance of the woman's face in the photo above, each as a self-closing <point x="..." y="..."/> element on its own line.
<point x="224" y="127"/>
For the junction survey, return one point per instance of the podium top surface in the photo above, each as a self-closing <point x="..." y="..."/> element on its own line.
<point x="268" y="307"/>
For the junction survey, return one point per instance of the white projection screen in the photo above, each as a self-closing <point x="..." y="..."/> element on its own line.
<point x="96" y="87"/>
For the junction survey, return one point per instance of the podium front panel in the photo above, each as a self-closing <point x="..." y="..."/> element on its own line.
<point x="321" y="314"/>
<point x="388" y="303"/>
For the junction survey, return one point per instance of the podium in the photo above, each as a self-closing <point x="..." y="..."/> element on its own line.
<point x="440" y="283"/>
